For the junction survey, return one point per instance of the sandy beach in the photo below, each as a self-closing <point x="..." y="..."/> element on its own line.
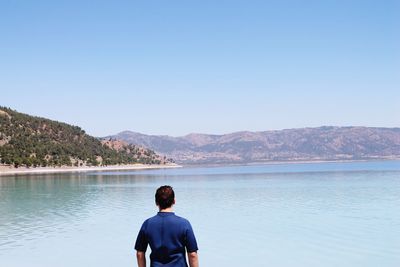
<point x="8" y="170"/>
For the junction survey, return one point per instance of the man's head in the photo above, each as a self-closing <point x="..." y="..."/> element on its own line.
<point x="165" y="197"/>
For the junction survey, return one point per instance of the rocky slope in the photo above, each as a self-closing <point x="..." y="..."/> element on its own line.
<point x="304" y="144"/>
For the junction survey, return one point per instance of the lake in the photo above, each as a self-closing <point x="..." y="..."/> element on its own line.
<point x="319" y="214"/>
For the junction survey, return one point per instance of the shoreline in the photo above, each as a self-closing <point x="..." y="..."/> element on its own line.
<point x="289" y="162"/>
<point x="6" y="170"/>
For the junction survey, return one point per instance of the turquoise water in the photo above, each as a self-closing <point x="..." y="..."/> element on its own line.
<point x="325" y="214"/>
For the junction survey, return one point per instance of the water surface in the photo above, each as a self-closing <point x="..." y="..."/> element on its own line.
<point x="325" y="214"/>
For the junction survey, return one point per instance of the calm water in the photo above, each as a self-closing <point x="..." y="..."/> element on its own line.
<point x="330" y="214"/>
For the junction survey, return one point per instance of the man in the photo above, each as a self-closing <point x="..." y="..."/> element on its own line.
<point x="168" y="235"/>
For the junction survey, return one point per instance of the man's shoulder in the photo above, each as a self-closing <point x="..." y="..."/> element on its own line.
<point x="182" y="220"/>
<point x="149" y="220"/>
<point x="152" y="218"/>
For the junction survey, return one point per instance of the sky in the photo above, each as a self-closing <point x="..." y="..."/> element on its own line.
<point x="180" y="67"/>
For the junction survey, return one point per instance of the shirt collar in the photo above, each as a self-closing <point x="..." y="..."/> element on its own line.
<point x="161" y="213"/>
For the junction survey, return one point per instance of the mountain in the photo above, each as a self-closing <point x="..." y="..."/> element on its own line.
<point x="303" y="144"/>
<point x="33" y="141"/>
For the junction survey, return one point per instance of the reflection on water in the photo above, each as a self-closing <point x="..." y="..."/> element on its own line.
<point x="330" y="214"/>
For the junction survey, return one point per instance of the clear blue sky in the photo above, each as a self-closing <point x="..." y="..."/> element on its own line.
<point x="176" y="67"/>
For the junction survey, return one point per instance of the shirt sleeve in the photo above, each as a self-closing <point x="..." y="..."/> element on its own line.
<point x="191" y="243"/>
<point x="141" y="240"/>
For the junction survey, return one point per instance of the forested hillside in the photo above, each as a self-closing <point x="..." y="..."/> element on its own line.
<point x="33" y="141"/>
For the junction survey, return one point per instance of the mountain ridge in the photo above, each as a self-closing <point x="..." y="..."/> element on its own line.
<point x="297" y="144"/>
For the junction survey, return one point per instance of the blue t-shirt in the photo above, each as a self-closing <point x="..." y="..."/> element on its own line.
<point x="168" y="236"/>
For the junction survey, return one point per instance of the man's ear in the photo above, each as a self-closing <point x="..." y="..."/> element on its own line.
<point x="173" y="203"/>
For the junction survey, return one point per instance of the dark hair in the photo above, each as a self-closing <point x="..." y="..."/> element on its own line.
<point x="165" y="196"/>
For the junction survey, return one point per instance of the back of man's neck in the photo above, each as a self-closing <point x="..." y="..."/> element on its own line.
<point x="166" y="210"/>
